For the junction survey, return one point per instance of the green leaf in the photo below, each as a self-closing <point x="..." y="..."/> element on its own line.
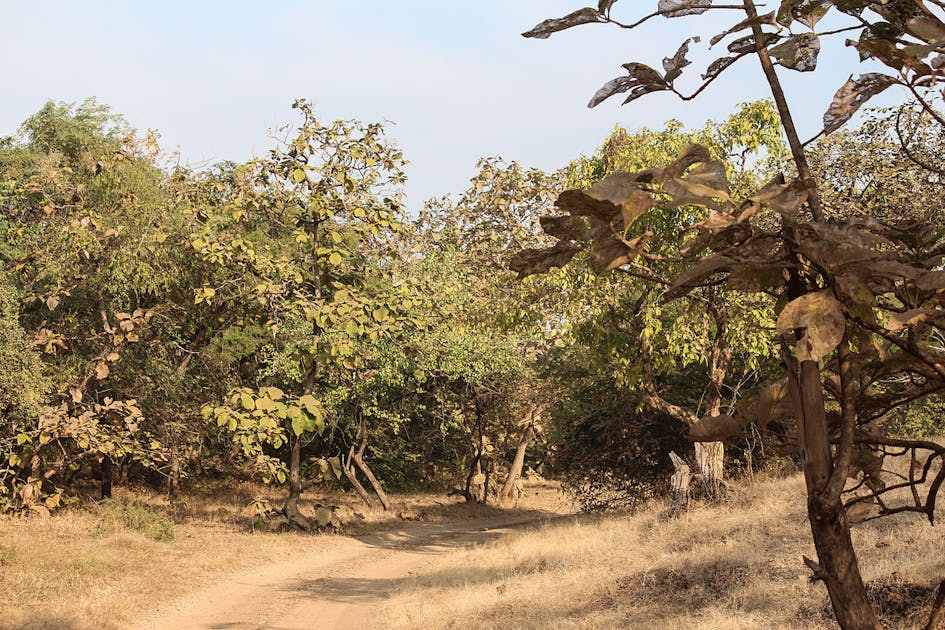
<point x="335" y="258"/>
<point x="311" y="404"/>
<point x="246" y="401"/>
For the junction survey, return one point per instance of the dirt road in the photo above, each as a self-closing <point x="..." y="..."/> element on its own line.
<point x="341" y="584"/>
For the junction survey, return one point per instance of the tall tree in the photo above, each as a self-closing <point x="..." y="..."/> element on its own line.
<point x="846" y="289"/>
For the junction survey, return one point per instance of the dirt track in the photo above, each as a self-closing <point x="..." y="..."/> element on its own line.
<point x="342" y="584"/>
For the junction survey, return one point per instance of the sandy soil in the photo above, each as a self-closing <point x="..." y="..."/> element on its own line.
<point x="342" y="584"/>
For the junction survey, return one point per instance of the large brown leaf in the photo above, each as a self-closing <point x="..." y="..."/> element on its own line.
<point x="682" y="8"/>
<point x="530" y="261"/>
<point x="544" y="30"/>
<point x="641" y="79"/>
<point x="566" y="228"/>
<point x="673" y="66"/>
<point x="715" y="429"/>
<point x="773" y="403"/>
<point x="851" y="96"/>
<point x="821" y="317"/>
<point x="798" y="52"/>
<point x="914" y="317"/>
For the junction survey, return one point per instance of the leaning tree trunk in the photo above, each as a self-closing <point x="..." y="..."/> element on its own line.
<point x="351" y="474"/>
<point x="375" y="484"/>
<point x="358" y="458"/>
<point x="518" y="464"/>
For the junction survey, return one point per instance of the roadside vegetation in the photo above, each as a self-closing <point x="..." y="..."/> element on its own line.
<point x="191" y="358"/>
<point x="720" y="566"/>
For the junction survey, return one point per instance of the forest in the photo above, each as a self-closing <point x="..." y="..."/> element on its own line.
<point x="677" y="312"/>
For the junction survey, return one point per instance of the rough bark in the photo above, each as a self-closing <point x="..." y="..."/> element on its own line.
<point x="836" y="558"/>
<point x="680" y="485"/>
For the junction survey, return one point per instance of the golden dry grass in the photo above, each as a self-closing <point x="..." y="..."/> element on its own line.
<point x="104" y="566"/>
<point x="735" y="565"/>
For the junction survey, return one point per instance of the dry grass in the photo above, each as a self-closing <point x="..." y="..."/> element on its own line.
<point x="100" y="567"/>
<point x="736" y="565"/>
<point x="106" y="565"/>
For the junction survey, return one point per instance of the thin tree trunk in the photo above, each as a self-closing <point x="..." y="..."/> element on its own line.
<point x="518" y="464"/>
<point x="295" y="479"/>
<point x="831" y="532"/>
<point x="358" y="458"/>
<point x="173" y="478"/>
<point x="375" y="484"/>
<point x="837" y="564"/>
<point x="352" y="477"/>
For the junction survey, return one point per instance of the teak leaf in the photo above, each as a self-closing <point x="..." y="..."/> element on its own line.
<point x="682" y="8"/>
<point x="544" y="30"/>
<point x="673" y="66"/>
<point x="798" y="52"/>
<point x="821" y="317"/>
<point x="851" y="96"/>
<point x="715" y="428"/>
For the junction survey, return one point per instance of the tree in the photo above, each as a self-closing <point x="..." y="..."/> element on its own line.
<point x="708" y="327"/>
<point x="90" y="241"/>
<point x="860" y="300"/>
<point x="303" y="235"/>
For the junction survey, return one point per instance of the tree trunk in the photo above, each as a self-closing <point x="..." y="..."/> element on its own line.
<point x="375" y="484"/>
<point x="352" y="477"/>
<point x="107" y="477"/>
<point x="173" y="478"/>
<point x="295" y="479"/>
<point x="710" y="461"/>
<point x="837" y="565"/>
<point x="358" y="458"/>
<point x="518" y="463"/>
<point x="680" y="485"/>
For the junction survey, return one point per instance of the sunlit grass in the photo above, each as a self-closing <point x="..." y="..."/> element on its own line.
<point x="736" y="565"/>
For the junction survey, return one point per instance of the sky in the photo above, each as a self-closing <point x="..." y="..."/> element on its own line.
<point x="454" y="78"/>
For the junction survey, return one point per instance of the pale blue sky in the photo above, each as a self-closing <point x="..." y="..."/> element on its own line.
<point x="455" y="76"/>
